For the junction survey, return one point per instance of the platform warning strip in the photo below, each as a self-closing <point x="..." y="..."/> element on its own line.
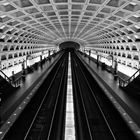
<point x="69" y="120"/>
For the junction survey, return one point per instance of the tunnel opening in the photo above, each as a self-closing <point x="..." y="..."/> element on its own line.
<point x="69" y="45"/>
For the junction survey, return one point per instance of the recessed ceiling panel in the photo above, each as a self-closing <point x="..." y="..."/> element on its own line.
<point x="70" y="19"/>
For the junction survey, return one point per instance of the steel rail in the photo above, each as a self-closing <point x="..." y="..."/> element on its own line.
<point x="62" y="77"/>
<point x="107" y="123"/>
<point x="28" y="131"/>
<point x="85" y="112"/>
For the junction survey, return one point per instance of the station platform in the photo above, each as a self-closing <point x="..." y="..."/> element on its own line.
<point x="127" y="102"/>
<point x="9" y="105"/>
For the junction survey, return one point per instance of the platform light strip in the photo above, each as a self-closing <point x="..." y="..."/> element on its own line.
<point x="69" y="121"/>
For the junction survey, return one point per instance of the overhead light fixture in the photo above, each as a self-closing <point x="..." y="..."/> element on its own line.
<point x="136" y="16"/>
<point x="133" y="3"/>
<point x="128" y="29"/>
<point x="136" y="36"/>
<point x="137" y="26"/>
<point x="6" y="3"/>
<point x="10" y="37"/>
<point x="3" y="16"/>
<point x="11" y="29"/>
<point x="2" y="27"/>
<point x="3" y="36"/>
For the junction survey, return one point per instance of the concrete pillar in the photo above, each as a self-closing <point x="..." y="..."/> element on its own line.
<point x="13" y="76"/>
<point x="23" y="68"/>
<point x="40" y="57"/>
<point x="49" y="52"/>
<point x="115" y="67"/>
<point x="98" y="59"/>
<point x="89" y="52"/>
<point x="23" y="65"/>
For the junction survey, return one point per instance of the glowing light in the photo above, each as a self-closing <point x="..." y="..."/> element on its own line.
<point x="6" y="3"/>
<point x="122" y="68"/>
<point x="16" y="69"/>
<point x="124" y="114"/>
<point x="33" y="61"/>
<point x="126" y="70"/>
<point x="130" y="122"/>
<point x="136" y="16"/>
<point x="132" y="3"/>
<point x="3" y="36"/>
<point x="136" y="36"/>
<point x="2" y="27"/>
<point x="137" y="26"/>
<point x="1" y="132"/>
<point x="3" y="16"/>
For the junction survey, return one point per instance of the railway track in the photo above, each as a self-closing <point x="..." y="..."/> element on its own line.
<point x="96" y="117"/>
<point x="48" y="116"/>
<point x="43" y="118"/>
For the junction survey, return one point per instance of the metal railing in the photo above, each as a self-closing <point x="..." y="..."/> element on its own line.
<point x="15" y="83"/>
<point x="5" y="76"/>
<point x="124" y="83"/>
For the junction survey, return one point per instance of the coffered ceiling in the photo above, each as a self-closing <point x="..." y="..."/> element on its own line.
<point x="53" y="21"/>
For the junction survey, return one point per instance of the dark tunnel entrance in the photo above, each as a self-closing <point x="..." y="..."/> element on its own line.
<point x="69" y="45"/>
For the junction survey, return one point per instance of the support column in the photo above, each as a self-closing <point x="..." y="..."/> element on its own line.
<point x="40" y="58"/>
<point x="98" y="60"/>
<point x="89" y="53"/>
<point x="23" y="67"/>
<point x="49" y="52"/>
<point x="115" y="67"/>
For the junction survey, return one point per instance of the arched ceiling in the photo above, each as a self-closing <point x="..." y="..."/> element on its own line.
<point x="69" y="44"/>
<point x="52" y="21"/>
